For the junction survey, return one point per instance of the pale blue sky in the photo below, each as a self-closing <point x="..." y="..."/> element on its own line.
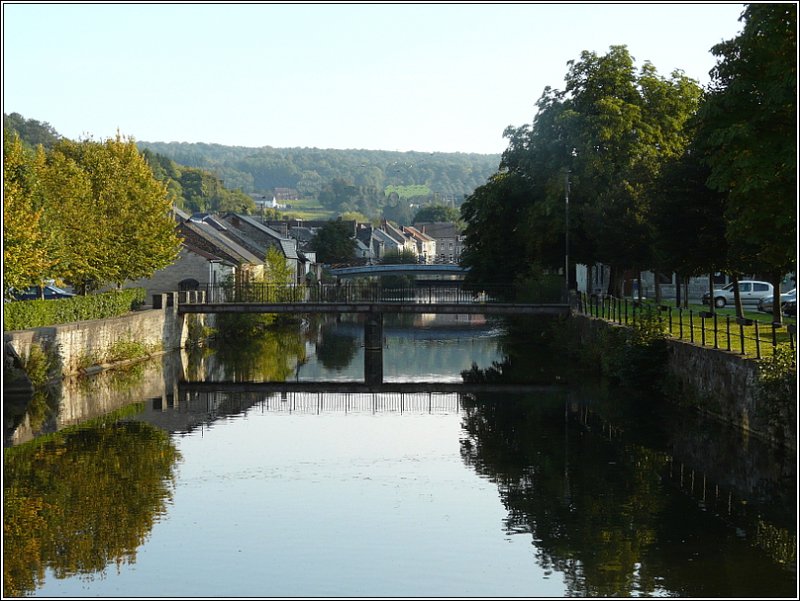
<point x="428" y="77"/>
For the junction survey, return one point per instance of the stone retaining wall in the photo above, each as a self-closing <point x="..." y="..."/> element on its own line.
<point x="719" y="383"/>
<point x="159" y="329"/>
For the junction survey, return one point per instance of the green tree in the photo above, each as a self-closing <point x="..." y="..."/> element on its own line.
<point x="623" y="127"/>
<point x="605" y="139"/>
<point x="276" y="270"/>
<point x="687" y="220"/>
<point x="749" y="123"/>
<point x="77" y="239"/>
<point x="403" y="256"/>
<point x="25" y="257"/>
<point x="334" y="243"/>
<point x="132" y="206"/>
<point x="495" y="247"/>
<point x="437" y="213"/>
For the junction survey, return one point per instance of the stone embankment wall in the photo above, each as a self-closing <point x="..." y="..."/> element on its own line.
<point x="717" y="382"/>
<point x="159" y="329"/>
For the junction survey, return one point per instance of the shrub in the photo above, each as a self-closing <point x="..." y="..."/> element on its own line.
<point x="22" y="315"/>
<point x="777" y="389"/>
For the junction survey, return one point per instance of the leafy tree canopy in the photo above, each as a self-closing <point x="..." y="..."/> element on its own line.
<point x="333" y="243"/>
<point x="749" y="124"/>
<point x="434" y="213"/>
<point x="32" y="132"/>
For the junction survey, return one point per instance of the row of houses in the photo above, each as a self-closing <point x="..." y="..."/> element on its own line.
<point x="233" y="247"/>
<point x="438" y="242"/>
<point x="431" y="242"/>
<point x="217" y="249"/>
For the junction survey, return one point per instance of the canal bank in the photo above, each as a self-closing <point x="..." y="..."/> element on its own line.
<point x="717" y="383"/>
<point x="93" y="345"/>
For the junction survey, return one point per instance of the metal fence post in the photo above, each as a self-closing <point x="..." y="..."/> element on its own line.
<point x="741" y="336"/>
<point x="728" y="330"/>
<point x="691" y="327"/>
<point x="758" y="342"/>
<point x="702" y="330"/>
<point x="715" y="331"/>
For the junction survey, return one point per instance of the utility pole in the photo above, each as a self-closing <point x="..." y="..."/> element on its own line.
<point x="566" y="235"/>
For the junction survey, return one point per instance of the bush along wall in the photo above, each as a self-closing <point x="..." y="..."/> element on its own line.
<point x="634" y="356"/>
<point x="22" y="315"/>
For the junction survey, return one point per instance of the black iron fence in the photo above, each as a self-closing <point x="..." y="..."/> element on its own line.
<point x="740" y="335"/>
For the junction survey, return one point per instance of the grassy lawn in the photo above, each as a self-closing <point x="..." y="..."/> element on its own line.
<point x="688" y="325"/>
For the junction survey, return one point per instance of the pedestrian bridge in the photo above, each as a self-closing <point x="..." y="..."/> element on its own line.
<point x="372" y="300"/>
<point x="349" y="298"/>
<point x="414" y="269"/>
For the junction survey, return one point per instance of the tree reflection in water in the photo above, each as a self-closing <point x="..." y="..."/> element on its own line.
<point x="611" y="514"/>
<point x="81" y="499"/>
<point x="587" y="476"/>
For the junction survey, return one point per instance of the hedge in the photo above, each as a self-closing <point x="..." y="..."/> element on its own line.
<point x="22" y="315"/>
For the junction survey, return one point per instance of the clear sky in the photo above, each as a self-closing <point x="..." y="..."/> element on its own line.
<point x="428" y="77"/>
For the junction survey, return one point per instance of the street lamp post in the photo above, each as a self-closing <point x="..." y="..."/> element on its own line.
<point x="566" y="235"/>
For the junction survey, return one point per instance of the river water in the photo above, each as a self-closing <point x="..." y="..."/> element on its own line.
<point x="137" y="484"/>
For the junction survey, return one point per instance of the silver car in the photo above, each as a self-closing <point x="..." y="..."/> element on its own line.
<point x="765" y="304"/>
<point x="750" y="291"/>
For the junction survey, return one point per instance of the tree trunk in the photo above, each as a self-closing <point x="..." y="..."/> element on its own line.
<point x="686" y="292"/>
<point x="678" y="290"/>
<point x="639" y="286"/>
<point x="711" y="300"/>
<point x="737" y="299"/>
<point x="657" y="287"/>
<point x="777" y="310"/>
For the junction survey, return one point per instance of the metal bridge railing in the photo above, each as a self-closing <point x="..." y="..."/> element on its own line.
<point x="344" y="293"/>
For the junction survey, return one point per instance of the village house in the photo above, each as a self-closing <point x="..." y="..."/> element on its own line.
<point x="449" y="240"/>
<point x="208" y="234"/>
<point x="405" y="242"/>
<point x="426" y="246"/>
<point x="194" y="269"/>
<point x="205" y="259"/>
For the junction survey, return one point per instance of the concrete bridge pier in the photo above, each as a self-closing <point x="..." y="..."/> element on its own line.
<point x="373" y="349"/>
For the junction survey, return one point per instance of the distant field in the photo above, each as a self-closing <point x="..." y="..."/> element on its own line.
<point x="308" y="209"/>
<point x="406" y="192"/>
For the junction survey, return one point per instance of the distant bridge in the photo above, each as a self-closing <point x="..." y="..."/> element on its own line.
<point x="415" y="269"/>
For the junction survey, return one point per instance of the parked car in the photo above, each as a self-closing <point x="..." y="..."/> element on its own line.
<point x="51" y="291"/>
<point x="790" y="307"/>
<point x="750" y="291"/>
<point x="765" y="304"/>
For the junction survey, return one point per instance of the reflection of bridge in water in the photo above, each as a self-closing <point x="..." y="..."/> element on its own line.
<point x="195" y="404"/>
<point x="317" y="403"/>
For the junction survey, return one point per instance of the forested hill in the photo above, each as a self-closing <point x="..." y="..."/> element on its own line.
<point x="448" y="176"/>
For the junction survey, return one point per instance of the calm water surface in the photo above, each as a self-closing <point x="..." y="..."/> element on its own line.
<point x="574" y="491"/>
